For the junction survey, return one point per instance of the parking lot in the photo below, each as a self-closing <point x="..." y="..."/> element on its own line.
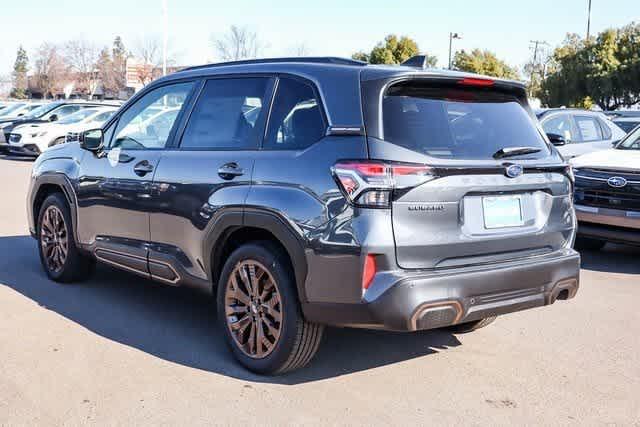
<point x="120" y="350"/>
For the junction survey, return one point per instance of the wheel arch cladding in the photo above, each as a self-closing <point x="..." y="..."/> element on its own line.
<point x="260" y="226"/>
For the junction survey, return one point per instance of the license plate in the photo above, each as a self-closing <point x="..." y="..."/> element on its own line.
<point x="502" y="212"/>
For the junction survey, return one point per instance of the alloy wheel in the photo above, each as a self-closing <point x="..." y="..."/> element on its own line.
<point x="253" y="309"/>
<point x="54" y="239"/>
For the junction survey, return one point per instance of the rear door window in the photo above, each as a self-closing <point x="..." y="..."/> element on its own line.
<point x="228" y="115"/>
<point x="589" y="129"/>
<point x="458" y="123"/>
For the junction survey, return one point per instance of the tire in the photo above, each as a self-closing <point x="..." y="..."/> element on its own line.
<point x="587" y="244"/>
<point x="463" y="328"/>
<point x="71" y="266"/>
<point x="291" y="342"/>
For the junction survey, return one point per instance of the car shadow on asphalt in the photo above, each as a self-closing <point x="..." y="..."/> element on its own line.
<point x="613" y="259"/>
<point x="180" y="326"/>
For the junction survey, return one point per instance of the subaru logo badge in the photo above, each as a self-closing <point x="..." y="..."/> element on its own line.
<point x="617" y="182"/>
<point x="514" y="171"/>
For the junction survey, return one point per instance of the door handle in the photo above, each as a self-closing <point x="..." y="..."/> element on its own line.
<point x="142" y="168"/>
<point x="230" y="170"/>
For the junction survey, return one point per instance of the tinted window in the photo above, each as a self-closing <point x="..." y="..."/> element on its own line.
<point x="229" y="114"/>
<point x="455" y="123"/>
<point x="588" y="128"/>
<point x="62" y="111"/>
<point x="632" y="141"/>
<point x="561" y="125"/>
<point x="148" y="122"/>
<point x="296" y="120"/>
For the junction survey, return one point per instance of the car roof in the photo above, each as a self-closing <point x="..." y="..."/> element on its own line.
<point x="546" y="111"/>
<point x="338" y="79"/>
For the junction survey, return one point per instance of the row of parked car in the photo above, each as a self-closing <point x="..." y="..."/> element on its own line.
<point x="30" y="128"/>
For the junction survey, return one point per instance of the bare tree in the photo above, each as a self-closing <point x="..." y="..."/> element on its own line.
<point x="238" y="43"/>
<point x="81" y="57"/>
<point x="49" y="69"/>
<point x="148" y="52"/>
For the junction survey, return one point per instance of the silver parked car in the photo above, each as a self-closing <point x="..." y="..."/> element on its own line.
<point x="576" y="132"/>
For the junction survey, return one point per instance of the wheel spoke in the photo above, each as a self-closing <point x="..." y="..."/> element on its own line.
<point x="252" y="309"/>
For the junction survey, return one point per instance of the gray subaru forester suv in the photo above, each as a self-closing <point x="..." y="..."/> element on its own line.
<point x="318" y="191"/>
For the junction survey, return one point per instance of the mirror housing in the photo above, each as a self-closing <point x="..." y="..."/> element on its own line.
<point x="557" y="140"/>
<point x="53" y="117"/>
<point x="92" y="140"/>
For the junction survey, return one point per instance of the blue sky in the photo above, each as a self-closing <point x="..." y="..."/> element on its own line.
<point x="328" y="27"/>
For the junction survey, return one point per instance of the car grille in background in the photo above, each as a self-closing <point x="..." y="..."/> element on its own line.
<point x="15" y="138"/>
<point x="71" y="137"/>
<point x="593" y="189"/>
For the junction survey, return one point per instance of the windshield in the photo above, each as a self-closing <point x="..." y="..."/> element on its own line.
<point x="77" y="116"/>
<point x="459" y="123"/>
<point x="627" y="126"/>
<point x="10" y="109"/>
<point x="631" y="142"/>
<point x="41" y="110"/>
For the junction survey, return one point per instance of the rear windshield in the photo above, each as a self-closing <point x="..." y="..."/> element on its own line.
<point x="458" y="123"/>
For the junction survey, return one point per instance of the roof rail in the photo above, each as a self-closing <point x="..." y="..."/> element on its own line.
<point x="302" y="60"/>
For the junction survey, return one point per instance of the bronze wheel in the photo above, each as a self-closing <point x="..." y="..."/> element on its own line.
<point x="54" y="239"/>
<point x="253" y="309"/>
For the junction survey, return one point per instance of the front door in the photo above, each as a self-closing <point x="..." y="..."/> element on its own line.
<point x="114" y="188"/>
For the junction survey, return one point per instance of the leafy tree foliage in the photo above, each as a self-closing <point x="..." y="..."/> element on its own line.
<point x="483" y="62"/>
<point x="604" y="70"/>
<point x="20" y="68"/>
<point x="393" y="50"/>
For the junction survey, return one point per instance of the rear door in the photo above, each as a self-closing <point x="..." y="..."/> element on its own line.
<point x="480" y="205"/>
<point x="592" y="134"/>
<point x="206" y="173"/>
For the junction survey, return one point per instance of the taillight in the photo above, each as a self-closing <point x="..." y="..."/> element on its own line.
<point x="372" y="183"/>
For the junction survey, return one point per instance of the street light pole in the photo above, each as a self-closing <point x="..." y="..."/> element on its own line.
<point x="451" y="37"/>
<point x="589" y="21"/>
<point x="165" y="35"/>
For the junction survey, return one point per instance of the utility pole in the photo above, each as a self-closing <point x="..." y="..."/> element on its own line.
<point x="534" y="65"/>
<point x="589" y="21"/>
<point x="536" y="44"/>
<point x="451" y="37"/>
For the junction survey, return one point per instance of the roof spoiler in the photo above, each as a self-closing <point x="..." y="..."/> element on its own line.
<point x="417" y="61"/>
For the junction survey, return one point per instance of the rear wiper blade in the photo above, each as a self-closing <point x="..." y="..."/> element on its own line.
<point x="514" y="151"/>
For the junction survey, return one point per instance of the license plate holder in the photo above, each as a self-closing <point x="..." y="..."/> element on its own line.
<point x="502" y="212"/>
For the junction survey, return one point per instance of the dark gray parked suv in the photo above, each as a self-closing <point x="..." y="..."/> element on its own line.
<point x="318" y="191"/>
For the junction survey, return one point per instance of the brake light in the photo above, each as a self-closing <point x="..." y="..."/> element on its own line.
<point x="371" y="183"/>
<point x="369" y="271"/>
<point x="474" y="81"/>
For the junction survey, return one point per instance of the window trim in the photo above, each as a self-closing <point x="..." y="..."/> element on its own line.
<point x="269" y="91"/>
<point x="316" y="94"/>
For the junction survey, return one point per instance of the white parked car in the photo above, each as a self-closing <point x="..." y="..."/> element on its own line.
<point x="35" y="138"/>
<point x="607" y="194"/>
<point x="576" y="132"/>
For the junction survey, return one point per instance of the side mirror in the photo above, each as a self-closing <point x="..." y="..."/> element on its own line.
<point x="92" y="140"/>
<point x="53" y="117"/>
<point x="557" y="140"/>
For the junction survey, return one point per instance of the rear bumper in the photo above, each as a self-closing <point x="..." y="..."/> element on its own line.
<point x="409" y="301"/>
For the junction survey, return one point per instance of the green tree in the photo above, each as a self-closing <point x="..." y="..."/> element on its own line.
<point x="20" y="68"/>
<point x="604" y="71"/>
<point x="393" y="50"/>
<point x="483" y="62"/>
